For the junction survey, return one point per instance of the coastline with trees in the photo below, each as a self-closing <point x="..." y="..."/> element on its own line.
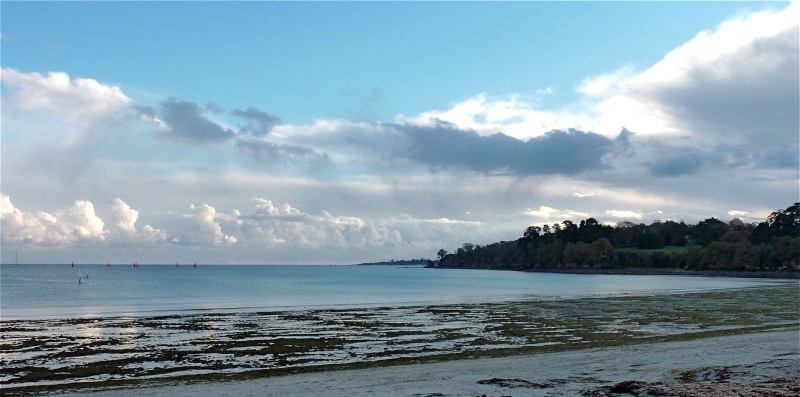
<point x="711" y="247"/>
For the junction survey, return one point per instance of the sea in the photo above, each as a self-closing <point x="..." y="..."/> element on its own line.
<point x="63" y="291"/>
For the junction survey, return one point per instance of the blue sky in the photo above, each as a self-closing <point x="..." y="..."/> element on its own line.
<point x="263" y="132"/>
<point x="305" y="61"/>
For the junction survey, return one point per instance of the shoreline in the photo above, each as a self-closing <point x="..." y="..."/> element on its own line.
<point x="63" y="354"/>
<point x="655" y="271"/>
<point x="759" y="361"/>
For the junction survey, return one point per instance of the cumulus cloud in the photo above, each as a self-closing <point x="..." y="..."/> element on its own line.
<point x="81" y="222"/>
<point x="125" y="232"/>
<point x="59" y="121"/>
<point x="19" y="227"/>
<point x="78" y="224"/>
<point x="77" y="100"/>
<point x="275" y="223"/>
<point x="75" y="225"/>
<point x="210" y="230"/>
<point x="123" y="216"/>
<point x="282" y="226"/>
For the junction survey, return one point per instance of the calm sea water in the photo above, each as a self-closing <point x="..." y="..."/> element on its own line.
<point x="45" y="291"/>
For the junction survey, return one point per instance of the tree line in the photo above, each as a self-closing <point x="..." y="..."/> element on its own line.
<point x="771" y="245"/>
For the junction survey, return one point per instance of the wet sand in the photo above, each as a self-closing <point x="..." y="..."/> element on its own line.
<point x="749" y="358"/>
<point x="202" y="351"/>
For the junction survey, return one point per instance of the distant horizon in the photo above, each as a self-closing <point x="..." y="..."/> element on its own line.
<point x="338" y="132"/>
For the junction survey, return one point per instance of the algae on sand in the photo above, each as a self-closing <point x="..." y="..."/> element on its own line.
<point x="122" y="350"/>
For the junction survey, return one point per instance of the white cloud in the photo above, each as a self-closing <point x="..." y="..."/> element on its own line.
<point x="78" y="100"/>
<point x="124" y="232"/>
<point x="266" y="207"/>
<point x="77" y="225"/>
<point x="445" y="221"/>
<point x="81" y="222"/>
<point x="548" y="214"/>
<point x="737" y="82"/>
<point x="737" y="213"/>
<point x="744" y="70"/>
<point x="624" y="214"/>
<point x="124" y="216"/>
<point x="19" y="227"/>
<point x="60" y="123"/>
<point x="210" y="230"/>
<point x="516" y="115"/>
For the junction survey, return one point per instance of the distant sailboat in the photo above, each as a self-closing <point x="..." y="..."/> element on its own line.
<point x="73" y="264"/>
<point x="108" y="264"/>
<point x="195" y="264"/>
<point x="176" y="264"/>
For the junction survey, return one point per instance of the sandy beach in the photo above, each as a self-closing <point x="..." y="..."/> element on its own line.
<point x="748" y="359"/>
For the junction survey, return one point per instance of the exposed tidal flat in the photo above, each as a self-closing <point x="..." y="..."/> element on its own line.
<point x="86" y="353"/>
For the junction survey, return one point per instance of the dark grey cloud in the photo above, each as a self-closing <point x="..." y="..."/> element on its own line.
<point x="779" y="157"/>
<point x="214" y="108"/>
<point x="259" y="123"/>
<point x="268" y="152"/>
<point x="186" y="121"/>
<point x="556" y="152"/>
<point x="751" y="95"/>
<point x="623" y="140"/>
<point x="148" y="111"/>
<point x="666" y="160"/>
<point x="677" y="164"/>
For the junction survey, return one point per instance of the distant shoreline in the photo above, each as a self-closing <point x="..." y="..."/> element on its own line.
<point x="640" y="271"/>
<point x="675" y="272"/>
<point x="402" y="262"/>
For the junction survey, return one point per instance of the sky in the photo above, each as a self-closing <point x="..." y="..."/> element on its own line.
<point x="337" y="133"/>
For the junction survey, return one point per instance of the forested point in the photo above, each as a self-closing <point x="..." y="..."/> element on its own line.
<point x="711" y="245"/>
<point x="399" y="263"/>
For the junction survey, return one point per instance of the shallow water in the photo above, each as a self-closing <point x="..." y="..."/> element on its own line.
<point x="54" y="291"/>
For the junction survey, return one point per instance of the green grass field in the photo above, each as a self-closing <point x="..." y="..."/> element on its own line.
<point x="667" y="250"/>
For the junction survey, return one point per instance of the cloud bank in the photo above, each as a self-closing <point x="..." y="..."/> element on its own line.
<point x="713" y="126"/>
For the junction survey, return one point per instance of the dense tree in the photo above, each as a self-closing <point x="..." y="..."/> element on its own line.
<point x="708" y="231"/>
<point x="710" y="245"/>
<point x="532" y="232"/>
<point x="778" y="224"/>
